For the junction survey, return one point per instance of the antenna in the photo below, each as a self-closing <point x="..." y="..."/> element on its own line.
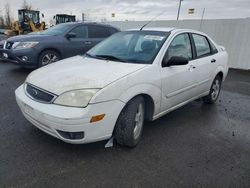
<point x="153" y="19"/>
<point x="202" y="17"/>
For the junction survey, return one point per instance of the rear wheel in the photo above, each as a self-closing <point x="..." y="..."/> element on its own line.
<point x="47" y="57"/>
<point x="214" y="91"/>
<point x="129" y="126"/>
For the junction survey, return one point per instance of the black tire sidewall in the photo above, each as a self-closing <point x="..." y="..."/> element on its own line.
<point x="208" y="99"/>
<point x="124" y="128"/>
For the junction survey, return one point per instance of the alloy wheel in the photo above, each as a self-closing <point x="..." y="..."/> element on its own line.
<point x="139" y="118"/>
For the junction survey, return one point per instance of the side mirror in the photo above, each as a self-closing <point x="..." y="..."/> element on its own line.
<point x="175" y="60"/>
<point x="70" y="35"/>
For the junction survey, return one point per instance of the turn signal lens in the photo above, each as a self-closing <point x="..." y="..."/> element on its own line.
<point x="97" y="118"/>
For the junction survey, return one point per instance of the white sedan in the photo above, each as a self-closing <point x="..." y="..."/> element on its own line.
<point x="130" y="77"/>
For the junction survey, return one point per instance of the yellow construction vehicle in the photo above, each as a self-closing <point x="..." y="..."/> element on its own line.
<point x="28" y="21"/>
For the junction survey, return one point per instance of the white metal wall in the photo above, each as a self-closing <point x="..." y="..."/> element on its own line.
<point x="233" y="34"/>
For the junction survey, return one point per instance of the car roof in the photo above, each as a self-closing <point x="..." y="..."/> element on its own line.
<point x="164" y="29"/>
<point x="90" y="23"/>
<point x="168" y="29"/>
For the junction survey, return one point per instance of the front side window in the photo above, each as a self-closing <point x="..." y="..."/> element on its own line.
<point x="131" y="46"/>
<point x="80" y="31"/>
<point x="180" y="46"/>
<point x="201" y="45"/>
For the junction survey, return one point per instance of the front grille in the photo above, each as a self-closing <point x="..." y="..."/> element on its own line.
<point x="39" y="94"/>
<point x="8" y="45"/>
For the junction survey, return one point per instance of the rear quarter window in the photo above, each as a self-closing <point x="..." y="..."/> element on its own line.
<point x="112" y="30"/>
<point x="213" y="48"/>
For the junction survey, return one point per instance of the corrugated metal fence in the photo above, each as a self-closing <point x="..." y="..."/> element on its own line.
<point x="233" y="34"/>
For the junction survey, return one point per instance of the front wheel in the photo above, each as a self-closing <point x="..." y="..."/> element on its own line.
<point x="129" y="126"/>
<point x="214" y="91"/>
<point x="47" y="57"/>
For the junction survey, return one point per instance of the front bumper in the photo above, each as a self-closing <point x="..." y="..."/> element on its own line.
<point x="15" y="56"/>
<point x="52" y="118"/>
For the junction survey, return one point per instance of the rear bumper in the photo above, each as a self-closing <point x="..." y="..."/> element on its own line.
<point x="15" y="56"/>
<point x="52" y="118"/>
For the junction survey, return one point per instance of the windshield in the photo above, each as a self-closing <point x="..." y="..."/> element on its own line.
<point x="130" y="46"/>
<point x="55" y="30"/>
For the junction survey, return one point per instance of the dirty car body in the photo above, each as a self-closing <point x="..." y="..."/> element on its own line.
<point x="58" y="42"/>
<point x="139" y="75"/>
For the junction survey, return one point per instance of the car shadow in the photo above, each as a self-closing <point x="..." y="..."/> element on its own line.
<point x="20" y="71"/>
<point x="151" y="130"/>
<point x="18" y="74"/>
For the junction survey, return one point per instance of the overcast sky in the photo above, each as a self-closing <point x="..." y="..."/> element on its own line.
<point x="96" y="10"/>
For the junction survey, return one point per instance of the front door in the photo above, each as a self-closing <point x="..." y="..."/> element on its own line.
<point x="178" y="81"/>
<point x="79" y="44"/>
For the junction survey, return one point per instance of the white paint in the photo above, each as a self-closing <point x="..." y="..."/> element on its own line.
<point x="169" y="87"/>
<point x="87" y="73"/>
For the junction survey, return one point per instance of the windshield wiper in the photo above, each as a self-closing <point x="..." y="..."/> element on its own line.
<point x="110" y="57"/>
<point x="89" y="55"/>
<point x="93" y="56"/>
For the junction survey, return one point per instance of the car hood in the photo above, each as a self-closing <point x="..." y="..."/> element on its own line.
<point x="80" y="73"/>
<point x="32" y="37"/>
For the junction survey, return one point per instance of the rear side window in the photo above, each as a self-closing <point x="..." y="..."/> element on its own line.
<point x="201" y="45"/>
<point x="80" y="31"/>
<point x="98" y="32"/>
<point x="112" y="30"/>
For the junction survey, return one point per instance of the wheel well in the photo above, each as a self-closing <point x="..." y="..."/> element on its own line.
<point x="220" y="74"/>
<point x="52" y="49"/>
<point x="149" y="106"/>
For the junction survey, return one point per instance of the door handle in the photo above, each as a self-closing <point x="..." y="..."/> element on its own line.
<point x="213" y="60"/>
<point x="88" y="42"/>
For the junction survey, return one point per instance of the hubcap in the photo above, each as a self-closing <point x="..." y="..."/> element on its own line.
<point x="215" y="89"/>
<point x="139" y="118"/>
<point x="49" y="58"/>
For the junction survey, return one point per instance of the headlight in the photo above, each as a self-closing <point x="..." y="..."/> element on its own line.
<point x="22" y="45"/>
<point x="76" y="98"/>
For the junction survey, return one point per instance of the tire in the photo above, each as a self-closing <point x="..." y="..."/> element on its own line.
<point x="47" y="57"/>
<point x="129" y="126"/>
<point x="214" y="91"/>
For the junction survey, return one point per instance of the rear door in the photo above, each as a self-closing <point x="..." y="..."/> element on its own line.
<point x="96" y="34"/>
<point x="205" y="62"/>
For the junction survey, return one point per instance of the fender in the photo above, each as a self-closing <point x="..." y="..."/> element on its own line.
<point x="148" y="89"/>
<point x="53" y="49"/>
<point x="222" y="69"/>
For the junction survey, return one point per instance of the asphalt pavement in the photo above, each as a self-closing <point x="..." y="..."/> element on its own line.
<point x="195" y="146"/>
